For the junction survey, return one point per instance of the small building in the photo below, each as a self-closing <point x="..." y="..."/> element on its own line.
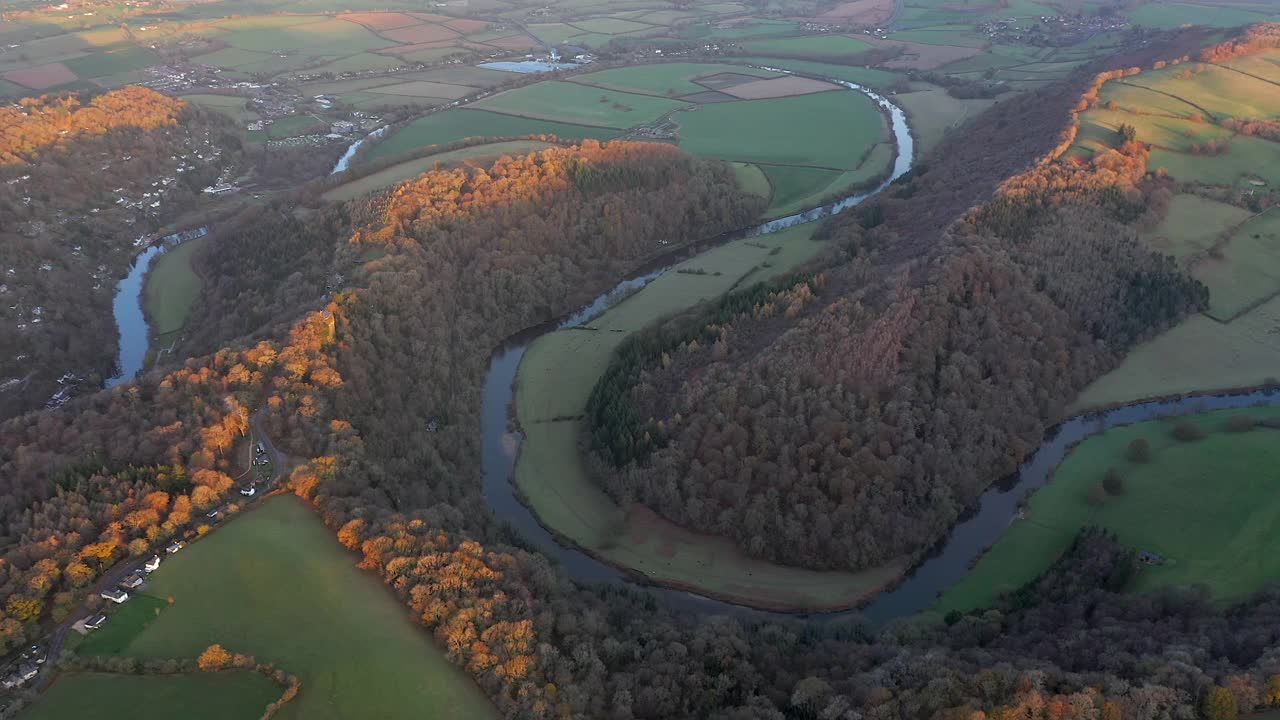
<point x="213" y="514"/>
<point x="26" y="672"/>
<point x="115" y="595"/>
<point x="152" y="564"/>
<point x="343" y="126"/>
<point x="249" y="491"/>
<point x="1150" y="558"/>
<point x="131" y="581"/>
<point x="175" y="546"/>
<point x="96" y="621"/>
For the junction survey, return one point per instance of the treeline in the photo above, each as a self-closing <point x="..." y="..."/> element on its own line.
<point x="34" y="124"/>
<point x="856" y="431"/>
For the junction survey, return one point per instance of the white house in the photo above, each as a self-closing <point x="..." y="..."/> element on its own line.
<point x="96" y="621"/>
<point x="152" y="564"/>
<point x="115" y="595"/>
<point x="131" y="581"/>
<point x="174" y="547"/>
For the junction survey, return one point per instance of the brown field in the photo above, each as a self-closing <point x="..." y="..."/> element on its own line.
<point x="423" y="33"/>
<point x="377" y="21"/>
<point x="778" y="87"/>
<point x="919" y="56"/>
<point x="707" y="96"/>
<point x="431" y="18"/>
<point x="425" y="88"/>
<point x="513" y="42"/>
<point x="865" y="12"/>
<point x="42" y="76"/>
<point x="467" y="27"/>
<point x="723" y="80"/>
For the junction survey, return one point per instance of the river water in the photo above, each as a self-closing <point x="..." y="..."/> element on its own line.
<point x="135" y="336"/>
<point x="345" y="161"/>
<point x="948" y="561"/>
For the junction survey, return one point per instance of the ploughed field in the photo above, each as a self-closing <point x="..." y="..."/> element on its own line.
<point x="1207" y="507"/>
<point x="276" y="584"/>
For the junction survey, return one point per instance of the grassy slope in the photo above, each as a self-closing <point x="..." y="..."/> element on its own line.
<point x="277" y="585"/>
<point x="412" y="168"/>
<point x="1211" y="507"/>
<point x="239" y="695"/>
<point x="1192" y="224"/>
<point x="933" y="112"/>
<point x="1249" y="270"/>
<point x="581" y="104"/>
<point x="172" y="287"/>
<point x="556" y="376"/>
<point x="752" y="179"/>
<point x="445" y="127"/>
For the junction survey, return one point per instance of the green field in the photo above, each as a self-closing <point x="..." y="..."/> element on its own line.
<point x="112" y="61"/>
<point x="1200" y="353"/>
<point x="579" y="104"/>
<point x="412" y="168"/>
<point x="446" y="127"/>
<point x="1191" y="226"/>
<point x="172" y="287"/>
<point x="799" y="188"/>
<point x="870" y="77"/>
<point x="239" y="695"/>
<point x="814" y="45"/>
<point x="556" y="375"/>
<point x="932" y="113"/>
<point x="752" y="179"/>
<point x="1248" y="270"/>
<point x="664" y="78"/>
<point x="1210" y="507"/>
<point x="232" y="107"/>
<point x="276" y="584"/>
<point x="832" y="130"/>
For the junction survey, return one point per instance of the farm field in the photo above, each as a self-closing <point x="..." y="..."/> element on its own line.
<point x="172" y="287"/>
<point x="869" y="77"/>
<point x="1209" y="507"/>
<point x="752" y="179"/>
<point x="815" y="46"/>
<point x="412" y="168"/>
<point x="451" y="125"/>
<point x="197" y="696"/>
<point x="578" y="104"/>
<point x="311" y="612"/>
<point x="557" y="374"/>
<point x="1233" y="344"/>
<point x="664" y="79"/>
<point x="798" y="188"/>
<point x="932" y="113"/>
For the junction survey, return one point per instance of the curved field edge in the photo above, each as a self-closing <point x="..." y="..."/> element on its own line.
<point x="276" y="584"/>
<point x="1208" y="507"/>
<point x="399" y="172"/>
<point x="555" y="378"/>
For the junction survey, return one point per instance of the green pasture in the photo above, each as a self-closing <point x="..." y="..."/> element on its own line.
<point x="357" y="62"/>
<point x="797" y="188"/>
<point x="321" y="36"/>
<point x="1245" y="157"/>
<point x="960" y="35"/>
<point x="445" y="127"/>
<point x="752" y="179"/>
<point x="1210" y="507"/>
<point x="241" y="694"/>
<point x="557" y="374"/>
<point x="1191" y="226"/>
<point x="933" y="113"/>
<point x="1247" y="272"/>
<point x="1199" y="353"/>
<point x="1220" y="92"/>
<point x="663" y="79"/>
<point x="112" y="61"/>
<point x="1263" y="65"/>
<point x="579" y="104"/>
<point x="274" y="583"/>
<point x="233" y="107"/>
<point x="870" y="77"/>
<point x="1165" y="15"/>
<point x="412" y="168"/>
<point x="172" y="287"/>
<point x="814" y="45"/>
<point x="831" y="130"/>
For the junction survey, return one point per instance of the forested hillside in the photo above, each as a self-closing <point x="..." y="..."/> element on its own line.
<point x="85" y="183"/>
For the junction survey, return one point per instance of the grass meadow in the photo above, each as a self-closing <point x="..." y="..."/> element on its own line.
<point x="666" y="79"/>
<point x="1210" y="507"/>
<point x="172" y="287"/>
<point x="241" y="695"/>
<point x="275" y="583"/>
<point x="557" y="375"/>
<point x="578" y="104"/>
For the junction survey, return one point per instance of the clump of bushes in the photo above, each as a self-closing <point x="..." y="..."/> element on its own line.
<point x="1187" y="432"/>
<point x="1140" y="450"/>
<point x="1113" y="482"/>
<point x="1239" y="423"/>
<point x="1097" y="496"/>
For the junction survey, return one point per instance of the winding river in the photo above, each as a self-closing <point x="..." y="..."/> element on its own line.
<point x="942" y="567"/>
